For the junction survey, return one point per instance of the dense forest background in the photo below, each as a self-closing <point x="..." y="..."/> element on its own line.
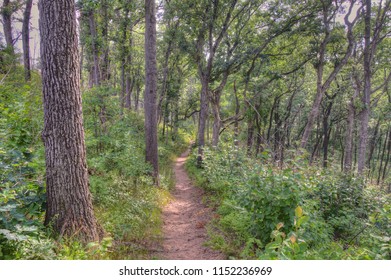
<point x="286" y="106"/>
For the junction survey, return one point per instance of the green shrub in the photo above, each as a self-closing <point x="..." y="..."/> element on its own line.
<point x="270" y="197"/>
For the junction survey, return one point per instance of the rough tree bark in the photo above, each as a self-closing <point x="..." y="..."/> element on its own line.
<point x="26" y="39"/>
<point x="69" y="206"/>
<point x="150" y="97"/>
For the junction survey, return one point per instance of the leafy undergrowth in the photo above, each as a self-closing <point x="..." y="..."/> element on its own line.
<point x="22" y="191"/>
<point x="126" y="203"/>
<point x="299" y="212"/>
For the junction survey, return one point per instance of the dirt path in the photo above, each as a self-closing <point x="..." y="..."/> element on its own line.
<point x="185" y="219"/>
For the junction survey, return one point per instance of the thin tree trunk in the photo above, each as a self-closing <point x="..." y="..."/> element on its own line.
<point x="215" y="101"/>
<point x="382" y="157"/>
<point x="321" y="86"/>
<point x="388" y="155"/>
<point x="165" y="72"/>
<point x="6" y="12"/>
<point x="348" y="157"/>
<point x="69" y="205"/>
<point x="176" y="120"/>
<point x="124" y="55"/>
<point x="373" y="144"/>
<point x="208" y="129"/>
<point x="327" y="130"/>
<point x="129" y="81"/>
<point x="216" y="123"/>
<point x="105" y="29"/>
<point x="366" y="97"/>
<point x="150" y="97"/>
<point x="314" y="113"/>
<point x="137" y="97"/>
<point x="96" y="71"/>
<point x="258" y="136"/>
<point x="250" y="134"/>
<point x="26" y="40"/>
<point x="123" y="85"/>
<point x="91" y="76"/>
<point x="277" y="134"/>
<point x="269" y="130"/>
<point x="128" y="92"/>
<point x="317" y="143"/>
<point x="237" y="111"/>
<point x="202" y="119"/>
<point x="379" y="152"/>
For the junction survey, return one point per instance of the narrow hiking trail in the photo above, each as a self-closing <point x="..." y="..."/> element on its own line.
<point x="184" y="220"/>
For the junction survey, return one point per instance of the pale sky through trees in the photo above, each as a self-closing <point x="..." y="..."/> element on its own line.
<point x="34" y="32"/>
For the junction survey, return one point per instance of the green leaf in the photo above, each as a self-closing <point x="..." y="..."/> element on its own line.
<point x="299" y="211"/>
<point x="12" y="236"/>
<point x="302" y="220"/>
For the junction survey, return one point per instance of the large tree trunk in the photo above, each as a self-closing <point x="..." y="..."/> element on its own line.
<point x="69" y="206"/>
<point x="6" y="12"/>
<point x="26" y="39"/>
<point x="150" y="98"/>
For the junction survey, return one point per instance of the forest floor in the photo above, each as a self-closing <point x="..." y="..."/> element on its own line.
<point x="184" y="220"/>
